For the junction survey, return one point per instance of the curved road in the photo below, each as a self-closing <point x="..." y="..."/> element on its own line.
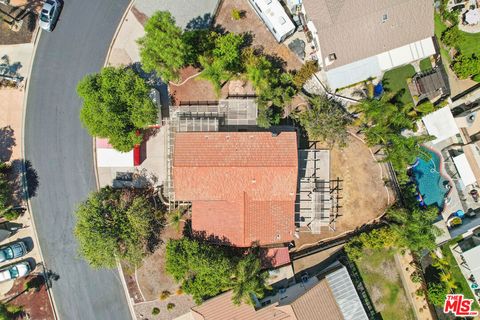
<point x="60" y="151"/>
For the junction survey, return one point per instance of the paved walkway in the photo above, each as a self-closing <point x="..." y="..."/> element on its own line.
<point x="187" y="13"/>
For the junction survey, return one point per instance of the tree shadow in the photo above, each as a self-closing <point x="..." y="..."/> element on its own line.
<point x="31" y="177"/>
<point x="7" y="142"/>
<point x="200" y="22"/>
<point x="8" y="68"/>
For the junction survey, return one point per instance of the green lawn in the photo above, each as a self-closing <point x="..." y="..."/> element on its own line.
<point x="468" y="43"/>
<point x="381" y="278"/>
<point x="462" y="285"/>
<point x="395" y="81"/>
<point x="425" y="64"/>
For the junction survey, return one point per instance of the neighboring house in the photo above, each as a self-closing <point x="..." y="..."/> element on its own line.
<point x="467" y="254"/>
<point x="274" y="17"/>
<point x="360" y="39"/>
<point x="457" y="140"/>
<point x="242" y="185"/>
<point x="332" y="297"/>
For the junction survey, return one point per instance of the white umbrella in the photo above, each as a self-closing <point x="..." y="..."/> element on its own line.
<point x="472" y="16"/>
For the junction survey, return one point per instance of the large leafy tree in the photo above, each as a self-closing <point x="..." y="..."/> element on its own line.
<point x="203" y="270"/>
<point x="414" y="227"/>
<point x="223" y="62"/>
<point x="5" y="189"/>
<point x="163" y="49"/>
<point x="116" y="105"/>
<point x="248" y="280"/>
<point x="466" y="66"/>
<point x="325" y="120"/>
<point x="114" y="224"/>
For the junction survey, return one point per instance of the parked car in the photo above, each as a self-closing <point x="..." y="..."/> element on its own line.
<point x="49" y="15"/>
<point x="15" y="271"/>
<point x="13" y="251"/>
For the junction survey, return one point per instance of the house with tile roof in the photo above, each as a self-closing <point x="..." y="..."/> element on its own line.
<point x="241" y="185"/>
<point x="360" y="39"/>
<point x="332" y="297"/>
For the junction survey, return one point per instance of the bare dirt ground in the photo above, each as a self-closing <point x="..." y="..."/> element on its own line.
<point x="194" y="89"/>
<point x="363" y="193"/>
<point x="35" y="304"/>
<point x="26" y="14"/>
<point x="253" y="25"/>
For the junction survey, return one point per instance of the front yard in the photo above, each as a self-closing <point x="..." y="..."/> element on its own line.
<point x="382" y="280"/>
<point x="395" y="81"/>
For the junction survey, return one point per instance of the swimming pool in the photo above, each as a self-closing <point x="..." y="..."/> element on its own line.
<point x="431" y="185"/>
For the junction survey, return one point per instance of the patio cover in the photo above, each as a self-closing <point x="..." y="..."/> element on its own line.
<point x="441" y="124"/>
<point x="464" y="170"/>
<point x="354" y="72"/>
<point x="472" y="257"/>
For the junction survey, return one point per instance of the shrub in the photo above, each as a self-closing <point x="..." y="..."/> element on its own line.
<point x="155" y="311"/>
<point x="305" y="73"/>
<point x="466" y="66"/>
<point x="165" y="294"/>
<point x="416" y="277"/>
<point x="236" y="14"/>
<point x="420" y="292"/>
<point x="451" y="36"/>
<point x="11" y="215"/>
<point x="436" y="293"/>
<point x="170" y="306"/>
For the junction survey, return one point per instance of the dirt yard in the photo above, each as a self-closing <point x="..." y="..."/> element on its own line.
<point x="192" y="88"/>
<point x="21" y="30"/>
<point x="35" y="304"/>
<point x="253" y="25"/>
<point x="363" y="193"/>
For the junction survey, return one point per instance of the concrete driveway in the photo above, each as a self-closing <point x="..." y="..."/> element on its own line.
<point x="60" y="151"/>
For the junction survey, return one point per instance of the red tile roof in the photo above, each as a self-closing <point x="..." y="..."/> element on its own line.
<point x="242" y="184"/>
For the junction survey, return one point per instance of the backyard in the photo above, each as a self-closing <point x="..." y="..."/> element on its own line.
<point x="454" y="269"/>
<point x="395" y="81"/>
<point x="383" y="283"/>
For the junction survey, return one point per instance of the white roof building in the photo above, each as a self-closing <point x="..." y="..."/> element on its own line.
<point x="464" y="170"/>
<point x="274" y="17"/>
<point x="441" y="124"/>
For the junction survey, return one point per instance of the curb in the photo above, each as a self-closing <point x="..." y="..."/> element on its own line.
<point x="24" y="177"/>
<point x="95" y="167"/>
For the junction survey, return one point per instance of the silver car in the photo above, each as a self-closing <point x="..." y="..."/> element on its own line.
<point x="13" y="251"/>
<point x="14" y="271"/>
<point x="49" y="14"/>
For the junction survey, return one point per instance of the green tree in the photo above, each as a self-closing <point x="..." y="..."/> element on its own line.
<point x="451" y="36"/>
<point x="114" y="224"/>
<point x="203" y="270"/>
<point x="116" y="104"/>
<point x="215" y="72"/>
<point x="258" y="70"/>
<point x="9" y="311"/>
<point x="414" y="227"/>
<point x="199" y="42"/>
<point x="249" y="280"/>
<point x="382" y="238"/>
<point x="466" y="66"/>
<point x="163" y="49"/>
<point x="325" y="120"/>
<point x="6" y="191"/>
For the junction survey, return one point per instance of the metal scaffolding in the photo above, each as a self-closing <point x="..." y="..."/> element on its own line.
<point x="318" y="197"/>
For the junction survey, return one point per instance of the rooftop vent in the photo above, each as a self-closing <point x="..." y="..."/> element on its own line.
<point x="471" y="118"/>
<point x="332" y="57"/>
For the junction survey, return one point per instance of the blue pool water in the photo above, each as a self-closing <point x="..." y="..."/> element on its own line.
<point x="431" y="185"/>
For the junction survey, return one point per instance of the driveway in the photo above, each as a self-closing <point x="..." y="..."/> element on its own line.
<point x="60" y="151"/>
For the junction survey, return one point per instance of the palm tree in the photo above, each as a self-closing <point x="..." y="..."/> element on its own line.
<point x="249" y="280"/>
<point x="214" y="70"/>
<point x="175" y="217"/>
<point x="448" y="281"/>
<point x="439" y="263"/>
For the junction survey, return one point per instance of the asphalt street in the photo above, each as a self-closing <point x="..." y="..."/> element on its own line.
<point x="60" y="151"/>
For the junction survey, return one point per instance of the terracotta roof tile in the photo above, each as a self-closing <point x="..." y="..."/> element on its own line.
<point x="242" y="184"/>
